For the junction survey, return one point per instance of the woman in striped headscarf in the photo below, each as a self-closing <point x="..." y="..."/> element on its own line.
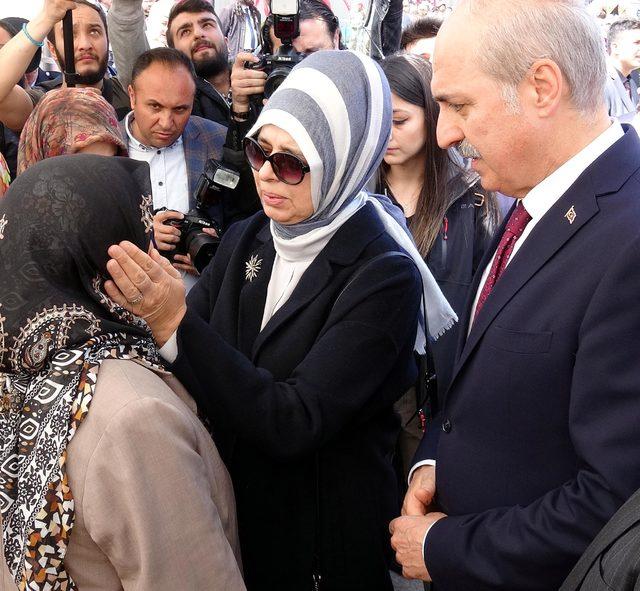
<point x="302" y="333"/>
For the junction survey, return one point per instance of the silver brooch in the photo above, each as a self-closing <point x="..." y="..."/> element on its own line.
<point x="3" y="224"/>
<point x="252" y="267"/>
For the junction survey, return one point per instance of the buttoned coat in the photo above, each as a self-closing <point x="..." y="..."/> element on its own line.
<point x="303" y="409"/>
<point x="538" y="445"/>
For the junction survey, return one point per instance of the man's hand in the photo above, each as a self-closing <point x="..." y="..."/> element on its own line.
<point x="165" y="235"/>
<point x="421" y="493"/>
<point x="407" y="538"/>
<point x="53" y="11"/>
<point x="148" y="286"/>
<point x="183" y="262"/>
<point x="245" y="82"/>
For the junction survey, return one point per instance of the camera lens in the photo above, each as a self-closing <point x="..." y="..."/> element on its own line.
<point x="202" y="249"/>
<point x="275" y="79"/>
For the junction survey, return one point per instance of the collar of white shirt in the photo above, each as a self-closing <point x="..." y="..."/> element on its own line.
<point x="543" y="196"/>
<point x="136" y="145"/>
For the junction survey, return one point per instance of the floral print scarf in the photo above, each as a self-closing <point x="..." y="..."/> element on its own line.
<point x="64" y="122"/>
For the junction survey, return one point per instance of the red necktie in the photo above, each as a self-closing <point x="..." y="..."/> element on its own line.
<point x="515" y="227"/>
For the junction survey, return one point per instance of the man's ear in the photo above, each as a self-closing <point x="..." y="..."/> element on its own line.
<point x="336" y="39"/>
<point x="132" y="95"/>
<point x="546" y="86"/>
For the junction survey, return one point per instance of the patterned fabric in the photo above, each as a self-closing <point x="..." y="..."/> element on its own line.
<point x="56" y="327"/>
<point x="515" y="227"/>
<point x="5" y="178"/>
<point x="66" y="121"/>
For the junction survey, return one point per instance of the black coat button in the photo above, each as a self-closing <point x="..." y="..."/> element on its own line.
<point x="446" y="426"/>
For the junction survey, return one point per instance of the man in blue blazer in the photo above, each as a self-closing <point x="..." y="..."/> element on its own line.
<point x="537" y="442"/>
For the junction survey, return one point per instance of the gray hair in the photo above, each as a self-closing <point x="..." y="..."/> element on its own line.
<point x="519" y="32"/>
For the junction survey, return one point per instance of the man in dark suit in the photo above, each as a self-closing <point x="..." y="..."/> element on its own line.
<point x="536" y="445"/>
<point x="621" y="91"/>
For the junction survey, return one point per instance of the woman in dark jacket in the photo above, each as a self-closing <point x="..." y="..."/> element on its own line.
<point x="300" y="336"/>
<point x="451" y="217"/>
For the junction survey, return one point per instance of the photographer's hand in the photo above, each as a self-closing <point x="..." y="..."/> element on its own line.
<point x="245" y="82"/>
<point x="183" y="262"/>
<point x="165" y="235"/>
<point x="147" y="286"/>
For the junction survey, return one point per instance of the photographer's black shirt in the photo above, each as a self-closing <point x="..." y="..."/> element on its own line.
<point x="210" y="104"/>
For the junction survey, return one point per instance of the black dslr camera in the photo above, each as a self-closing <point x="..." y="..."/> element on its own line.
<point x="213" y="183"/>
<point x="286" y="27"/>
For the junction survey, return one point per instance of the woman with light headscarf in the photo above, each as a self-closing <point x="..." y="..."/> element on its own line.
<point x="300" y="336"/>
<point x="70" y="121"/>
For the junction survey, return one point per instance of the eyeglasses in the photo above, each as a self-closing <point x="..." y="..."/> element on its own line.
<point x="287" y="167"/>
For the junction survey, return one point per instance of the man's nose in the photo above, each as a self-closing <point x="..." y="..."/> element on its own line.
<point x="82" y="41"/>
<point x="166" y="121"/>
<point x="448" y="132"/>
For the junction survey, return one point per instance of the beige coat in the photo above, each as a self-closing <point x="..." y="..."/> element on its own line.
<point x="154" y="503"/>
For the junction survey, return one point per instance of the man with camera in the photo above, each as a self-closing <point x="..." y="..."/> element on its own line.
<point x="177" y="146"/>
<point x="317" y="28"/>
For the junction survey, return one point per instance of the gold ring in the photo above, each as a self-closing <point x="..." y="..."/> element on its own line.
<point x="136" y="300"/>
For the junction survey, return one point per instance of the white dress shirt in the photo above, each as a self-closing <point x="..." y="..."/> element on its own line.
<point x="538" y="202"/>
<point x="544" y="196"/>
<point x="169" y="178"/>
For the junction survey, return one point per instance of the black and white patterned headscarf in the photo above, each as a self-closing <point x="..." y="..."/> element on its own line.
<point x="56" y="327"/>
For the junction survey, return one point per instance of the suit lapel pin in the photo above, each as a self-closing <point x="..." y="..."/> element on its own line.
<point x="252" y="267"/>
<point x="571" y="215"/>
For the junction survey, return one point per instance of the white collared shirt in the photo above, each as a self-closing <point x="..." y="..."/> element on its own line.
<point x="169" y="178"/>
<point x="168" y="166"/>
<point x="544" y="196"/>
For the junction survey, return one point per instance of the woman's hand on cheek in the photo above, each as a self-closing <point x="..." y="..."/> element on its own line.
<point x="148" y="286"/>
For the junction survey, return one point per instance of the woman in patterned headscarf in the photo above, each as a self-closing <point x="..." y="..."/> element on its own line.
<point x="107" y="478"/>
<point x="70" y="121"/>
<point x="302" y="333"/>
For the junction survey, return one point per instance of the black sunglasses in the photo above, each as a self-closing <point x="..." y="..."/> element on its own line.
<point x="287" y="167"/>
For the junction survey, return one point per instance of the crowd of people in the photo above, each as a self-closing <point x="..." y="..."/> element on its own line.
<point x="338" y="322"/>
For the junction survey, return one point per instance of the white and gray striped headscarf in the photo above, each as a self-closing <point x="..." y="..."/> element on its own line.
<point x="336" y="105"/>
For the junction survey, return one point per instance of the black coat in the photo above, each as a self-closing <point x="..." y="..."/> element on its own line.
<point x="453" y="261"/>
<point x="208" y="103"/>
<point x="308" y="400"/>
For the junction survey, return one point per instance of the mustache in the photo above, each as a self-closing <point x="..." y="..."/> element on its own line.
<point x="202" y="43"/>
<point x="467" y="150"/>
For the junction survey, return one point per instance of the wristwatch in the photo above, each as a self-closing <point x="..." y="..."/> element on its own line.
<point x="244" y="116"/>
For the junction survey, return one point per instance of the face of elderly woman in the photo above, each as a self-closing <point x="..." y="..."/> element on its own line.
<point x="285" y="204"/>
